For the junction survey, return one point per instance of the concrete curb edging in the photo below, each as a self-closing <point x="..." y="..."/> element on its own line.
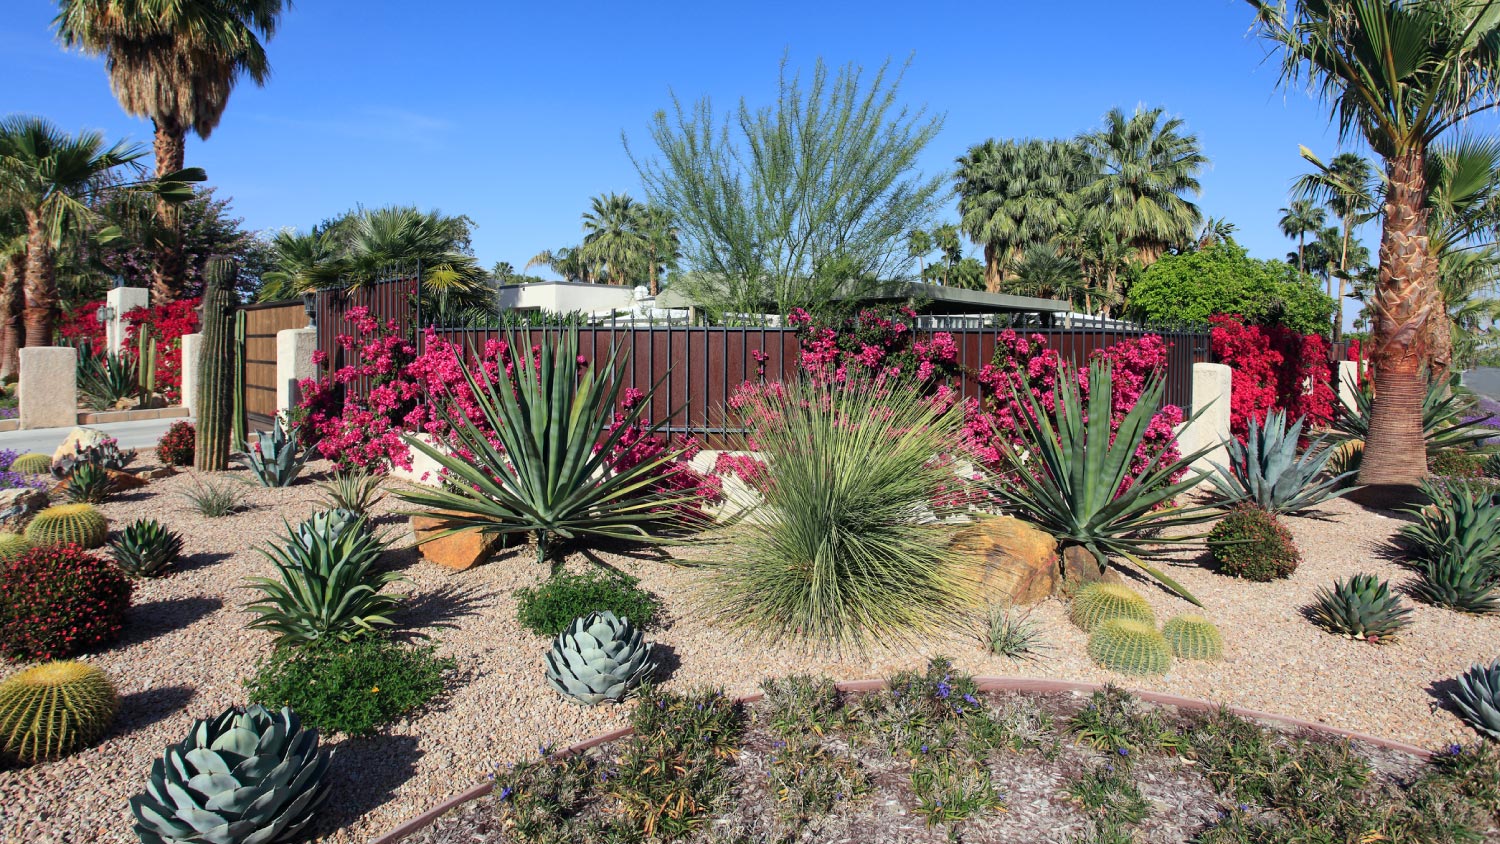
<point x="987" y="684"/>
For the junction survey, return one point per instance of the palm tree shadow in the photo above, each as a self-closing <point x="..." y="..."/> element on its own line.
<point x="139" y="710"/>
<point x="365" y="773"/>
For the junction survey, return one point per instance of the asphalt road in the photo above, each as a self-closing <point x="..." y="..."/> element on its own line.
<point x="141" y="435"/>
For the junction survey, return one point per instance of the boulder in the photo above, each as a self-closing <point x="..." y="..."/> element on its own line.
<point x="1016" y="564"/>
<point x="156" y="472"/>
<point x="1079" y="569"/>
<point x="76" y="439"/>
<point x="17" y="506"/>
<point x="121" y="481"/>
<point x="458" y="551"/>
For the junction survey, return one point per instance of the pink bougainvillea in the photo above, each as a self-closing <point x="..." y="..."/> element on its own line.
<point x="1272" y="368"/>
<point x="873" y="343"/>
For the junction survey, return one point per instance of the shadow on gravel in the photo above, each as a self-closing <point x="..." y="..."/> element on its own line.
<point x="364" y="775"/>
<point x="140" y="710"/>
<point x="198" y="561"/>
<point x="1439" y="690"/>
<point x="440" y="608"/>
<point x="154" y="618"/>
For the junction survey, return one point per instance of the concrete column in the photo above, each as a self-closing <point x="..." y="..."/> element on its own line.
<point x="1211" y="388"/>
<point x="1348" y="382"/>
<point x="49" y="387"/>
<point x="294" y="362"/>
<point x="122" y="300"/>
<point x="192" y="365"/>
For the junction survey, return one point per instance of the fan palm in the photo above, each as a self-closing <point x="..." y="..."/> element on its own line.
<point x="612" y="238"/>
<point x="12" y="291"/>
<point x="661" y="246"/>
<point x="1146" y="165"/>
<point x="175" y="62"/>
<point x="299" y="264"/>
<point x="1400" y="74"/>
<point x="1297" y="220"/>
<point x="1465" y="207"/>
<point x="1349" y="186"/>
<point x="1042" y="272"/>
<point x="1011" y="195"/>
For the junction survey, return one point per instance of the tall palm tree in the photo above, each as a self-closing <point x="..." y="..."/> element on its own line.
<point x="50" y="176"/>
<point x="612" y="236"/>
<point x="175" y="62"/>
<point x="300" y="262"/>
<point x="1400" y="74"/>
<point x="1349" y="186"/>
<point x="1464" y="204"/>
<point x="1011" y="195"/>
<point x="1147" y="165"/>
<point x="12" y="288"/>
<point x="1301" y="217"/>
<point x="660" y="246"/>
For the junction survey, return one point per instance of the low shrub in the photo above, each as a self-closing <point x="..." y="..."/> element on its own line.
<point x="176" y="446"/>
<point x="1253" y="544"/>
<point x="214" y="499"/>
<point x="351" y="687"/>
<point x="1456" y="463"/>
<point x="548" y="609"/>
<point x="60" y="600"/>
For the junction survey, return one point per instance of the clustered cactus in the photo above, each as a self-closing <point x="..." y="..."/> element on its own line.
<point x="1478" y="698"/>
<point x="599" y="658"/>
<point x="146" y="547"/>
<point x="248" y="776"/>
<point x="1362" y="607"/>
<point x="1130" y="646"/>
<point x="77" y="524"/>
<point x="1100" y="602"/>
<point x="1193" y="637"/>
<point x="54" y="709"/>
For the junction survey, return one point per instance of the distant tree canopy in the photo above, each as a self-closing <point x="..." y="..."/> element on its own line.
<point x="1221" y="278"/>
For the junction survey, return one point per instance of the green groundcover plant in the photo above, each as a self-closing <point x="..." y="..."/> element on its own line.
<point x="549" y="608"/>
<point x="351" y="687"/>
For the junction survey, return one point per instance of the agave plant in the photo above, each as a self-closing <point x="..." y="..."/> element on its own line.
<point x="1478" y="698"/>
<point x="1462" y="521"/>
<point x="1075" y="482"/>
<point x="357" y="491"/>
<point x="329" y="524"/>
<point x="552" y="472"/>
<point x="1462" y="584"/>
<point x="1267" y="470"/>
<point x="145" y="548"/>
<point x="248" y="776"/>
<point x="106" y="380"/>
<point x="1443" y="423"/>
<point x="329" y="588"/>
<point x="276" y="457"/>
<point x="1362" y="607"/>
<point x="599" y="658"/>
<point x="89" y="484"/>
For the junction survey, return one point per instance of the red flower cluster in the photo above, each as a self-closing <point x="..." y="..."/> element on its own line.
<point x="60" y="600"/>
<point x="1272" y="368"/>
<point x="875" y="342"/>
<point x="675" y="477"/>
<point x="176" y="446"/>
<point x="167" y="323"/>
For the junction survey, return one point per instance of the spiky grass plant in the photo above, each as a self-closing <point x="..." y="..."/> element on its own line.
<point x="1267" y="470"/>
<point x="1362" y="607"/>
<point x="1073" y="475"/>
<point x="356" y="491"/>
<point x="215" y="499"/>
<point x="552" y="473"/>
<point x="846" y="547"/>
<point x="1013" y="634"/>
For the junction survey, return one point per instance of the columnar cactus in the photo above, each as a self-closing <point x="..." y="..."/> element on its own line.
<point x="1194" y="637"/>
<point x="216" y="368"/>
<point x="54" y="709"/>
<point x="79" y="524"/>
<point x="1130" y="647"/>
<point x="1100" y="602"/>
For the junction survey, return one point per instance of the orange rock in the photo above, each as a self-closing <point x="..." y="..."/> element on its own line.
<point x="457" y="551"/>
<point x="1015" y="563"/>
<point x="121" y="481"/>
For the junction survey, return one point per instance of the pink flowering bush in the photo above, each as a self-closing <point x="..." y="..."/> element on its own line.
<point x="1272" y="368"/>
<point x="875" y="342"/>
<point x="676" y="477"/>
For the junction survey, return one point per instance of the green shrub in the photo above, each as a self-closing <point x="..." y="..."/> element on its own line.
<point x="357" y="491"/>
<point x="1456" y="463"/>
<point x="176" y="446"/>
<point x="548" y="609"/>
<point x="351" y="687"/>
<point x="1251" y="543"/>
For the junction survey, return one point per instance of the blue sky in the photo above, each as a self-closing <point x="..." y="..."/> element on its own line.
<point x="512" y="113"/>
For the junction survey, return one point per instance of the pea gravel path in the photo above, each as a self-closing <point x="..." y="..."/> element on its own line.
<point x="185" y="654"/>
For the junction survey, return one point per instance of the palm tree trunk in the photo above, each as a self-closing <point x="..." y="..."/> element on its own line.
<point x="12" y="328"/>
<point x="169" y="146"/>
<point x="991" y="268"/>
<point x="1395" y="458"/>
<point x="1301" y="241"/>
<point x="40" y="285"/>
<point x="1338" y="323"/>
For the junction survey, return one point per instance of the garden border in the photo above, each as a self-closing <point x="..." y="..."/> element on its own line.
<point x="986" y="684"/>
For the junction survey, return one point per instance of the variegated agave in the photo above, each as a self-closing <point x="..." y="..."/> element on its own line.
<point x="248" y="776"/>
<point x="1267" y="470"/>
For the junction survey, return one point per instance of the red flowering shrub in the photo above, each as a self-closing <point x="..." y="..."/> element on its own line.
<point x="676" y="477"/>
<point x="59" y="600"/>
<point x="167" y="323"/>
<point x="1272" y="368"/>
<point x="81" y="325"/>
<point x="176" y="446"/>
<point x="752" y="471"/>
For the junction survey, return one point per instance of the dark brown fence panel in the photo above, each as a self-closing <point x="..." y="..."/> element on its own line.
<point x="262" y="321"/>
<point x="387" y="300"/>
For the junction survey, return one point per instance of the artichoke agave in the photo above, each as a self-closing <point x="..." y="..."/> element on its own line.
<point x="1266" y="469"/>
<point x="276" y="457"/>
<point x="598" y="658"/>
<point x="1478" y="698"/>
<point x="1362" y="607"/>
<point x="248" y="776"/>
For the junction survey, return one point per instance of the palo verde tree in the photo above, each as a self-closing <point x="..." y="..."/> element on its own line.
<point x="1400" y="74"/>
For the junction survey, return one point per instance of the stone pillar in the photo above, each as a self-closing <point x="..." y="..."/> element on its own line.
<point x="192" y="365"/>
<point x="122" y="300"/>
<point x="294" y="362"/>
<point x="1211" y="388"/>
<point x="1348" y="383"/>
<point x="49" y="387"/>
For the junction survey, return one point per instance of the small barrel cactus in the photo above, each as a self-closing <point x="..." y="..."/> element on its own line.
<point x="1478" y="698"/>
<point x="12" y="546"/>
<point x="32" y="464"/>
<point x="145" y="548"/>
<point x="1130" y="646"/>
<point x="1099" y="602"/>
<point x="54" y="709"/>
<point x="248" y="776"/>
<point x="1194" y="637"/>
<point x="598" y="658"/>
<point x="1362" y="607"/>
<point x="79" y="524"/>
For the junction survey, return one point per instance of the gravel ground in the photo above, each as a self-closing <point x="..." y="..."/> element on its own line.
<point x="185" y="654"/>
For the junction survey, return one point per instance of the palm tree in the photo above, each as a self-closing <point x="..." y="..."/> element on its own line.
<point x="660" y="247"/>
<point x="1012" y="195"/>
<point x="1349" y="187"/>
<point x="1297" y="220"/>
<point x="1400" y="74"/>
<point x="918" y="245"/>
<point x="1146" y="165"/>
<point x="568" y="262"/>
<point x="1042" y="272"/>
<point x="50" y="176"/>
<point x="300" y="263"/>
<point x="1464" y="203"/>
<point x="12" y="288"/>
<point x="175" y="62"/>
<point x="612" y="237"/>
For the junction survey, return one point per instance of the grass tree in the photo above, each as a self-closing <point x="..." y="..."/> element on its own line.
<point x="1400" y="74"/>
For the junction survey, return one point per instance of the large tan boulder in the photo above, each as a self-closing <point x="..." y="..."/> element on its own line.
<point x="458" y="551"/>
<point x="1014" y="562"/>
<point x="1080" y="568"/>
<point x="76" y="439"/>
